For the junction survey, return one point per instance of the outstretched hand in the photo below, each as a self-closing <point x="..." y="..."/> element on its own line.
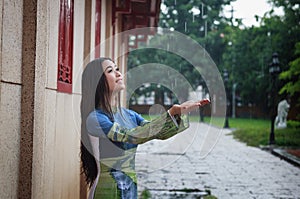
<point x="186" y="107"/>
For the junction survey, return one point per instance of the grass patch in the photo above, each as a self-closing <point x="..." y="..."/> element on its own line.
<point x="146" y="117"/>
<point x="243" y="123"/>
<point x="255" y="132"/>
<point x="287" y="137"/>
<point x="146" y="194"/>
<point x="209" y="197"/>
<point x="253" y="137"/>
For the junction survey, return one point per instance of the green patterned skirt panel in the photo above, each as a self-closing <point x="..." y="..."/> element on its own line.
<point x="115" y="184"/>
<point x="117" y="175"/>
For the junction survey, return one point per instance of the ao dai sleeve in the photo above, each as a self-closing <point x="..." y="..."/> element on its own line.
<point x="161" y="127"/>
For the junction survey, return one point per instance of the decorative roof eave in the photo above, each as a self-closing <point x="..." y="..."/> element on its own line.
<point x="136" y="13"/>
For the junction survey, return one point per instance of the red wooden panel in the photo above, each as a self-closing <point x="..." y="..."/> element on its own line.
<point x="98" y="28"/>
<point x="65" y="46"/>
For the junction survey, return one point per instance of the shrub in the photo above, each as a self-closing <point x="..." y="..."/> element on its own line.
<point x="293" y="124"/>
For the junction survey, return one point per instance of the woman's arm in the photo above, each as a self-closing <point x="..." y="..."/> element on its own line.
<point x="162" y="127"/>
<point x="186" y="107"/>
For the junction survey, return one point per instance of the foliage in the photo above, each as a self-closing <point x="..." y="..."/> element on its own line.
<point x="257" y="133"/>
<point x="289" y="51"/>
<point x="245" y="52"/>
<point x="293" y="124"/>
<point x="245" y="59"/>
<point x="252" y="137"/>
<point x="145" y="194"/>
<point x="248" y="56"/>
<point x="289" y="29"/>
<point x="292" y="85"/>
<point x="243" y="123"/>
<point x="151" y="55"/>
<point x="200" y="20"/>
<point x="209" y="197"/>
<point x="288" y="137"/>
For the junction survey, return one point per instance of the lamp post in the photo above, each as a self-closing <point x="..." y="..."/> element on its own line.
<point x="200" y="95"/>
<point x="226" y="79"/>
<point x="274" y="70"/>
<point x="233" y="100"/>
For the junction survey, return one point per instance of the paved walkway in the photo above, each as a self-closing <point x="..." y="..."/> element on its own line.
<point x="230" y="170"/>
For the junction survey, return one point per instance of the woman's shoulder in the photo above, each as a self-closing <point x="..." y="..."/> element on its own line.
<point x="134" y="116"/>
<point x="97" y="122"/>
<point x="129" y="112"/>
<point x="98" y="114"/>
<point x="126" y="110"/>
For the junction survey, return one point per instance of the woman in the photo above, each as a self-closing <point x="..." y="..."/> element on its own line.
<point x="113" y="133"/>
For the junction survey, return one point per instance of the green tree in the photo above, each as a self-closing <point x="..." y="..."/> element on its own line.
<point x="288" y="50"/>
<point x="198" y="19"/>
<point x="292" y="86"/>
<point x="151" y="55"/>
<point x="250" y="50"/>
<point x="284" y="29"/>
<point x="246" y="57"/>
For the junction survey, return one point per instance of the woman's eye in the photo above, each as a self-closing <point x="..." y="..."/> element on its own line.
<point x="117" y="69"/>
<point x="109" y="71"/>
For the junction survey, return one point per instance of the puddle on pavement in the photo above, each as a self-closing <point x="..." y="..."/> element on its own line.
<point x="179" y="193"/>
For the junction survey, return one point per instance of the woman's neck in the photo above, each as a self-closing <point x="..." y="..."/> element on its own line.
<point x="114" y="100"/>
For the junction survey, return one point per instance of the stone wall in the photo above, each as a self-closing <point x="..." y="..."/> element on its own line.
<point x="10" y="95"/>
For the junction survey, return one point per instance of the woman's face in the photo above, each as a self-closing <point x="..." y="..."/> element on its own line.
<point x="113" y="76"/>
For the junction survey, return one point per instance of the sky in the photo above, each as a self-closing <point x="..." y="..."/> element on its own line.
<point x="247" y="9"/>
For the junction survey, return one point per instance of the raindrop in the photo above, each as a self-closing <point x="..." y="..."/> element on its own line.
<point x="185" y="28"/>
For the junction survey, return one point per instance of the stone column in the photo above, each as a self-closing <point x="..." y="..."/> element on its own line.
<point x="27" y="98"/>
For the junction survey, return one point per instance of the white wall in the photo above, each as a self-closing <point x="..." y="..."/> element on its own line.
<point x="56" y="162"/>
<point x="10" y="95"/>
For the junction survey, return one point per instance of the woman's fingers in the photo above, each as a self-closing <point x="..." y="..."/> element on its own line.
<point x="187" y="106"/>
<point x="204" y="102"/>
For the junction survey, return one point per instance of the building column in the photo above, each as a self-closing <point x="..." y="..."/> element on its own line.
<point x="27" y="98"/>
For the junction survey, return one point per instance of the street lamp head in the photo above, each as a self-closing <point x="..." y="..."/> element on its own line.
<point x="275" y="58"/>
<point x="274" y="70"/>
<point x="274" y="67"/>
<point x="225" y="75"/>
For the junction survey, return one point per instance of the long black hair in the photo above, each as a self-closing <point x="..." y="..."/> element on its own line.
<point x="95" y="94"/>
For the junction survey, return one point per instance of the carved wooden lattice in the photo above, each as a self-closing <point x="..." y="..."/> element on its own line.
<point x="97" y="28"/>
<point x="65" y="46"/>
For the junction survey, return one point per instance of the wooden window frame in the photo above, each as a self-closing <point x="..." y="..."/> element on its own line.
<point x="97" y="28"/>
<point x="65" y="46"/>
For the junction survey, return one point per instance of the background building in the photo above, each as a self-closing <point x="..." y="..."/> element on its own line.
<point x="44" y="47"/>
